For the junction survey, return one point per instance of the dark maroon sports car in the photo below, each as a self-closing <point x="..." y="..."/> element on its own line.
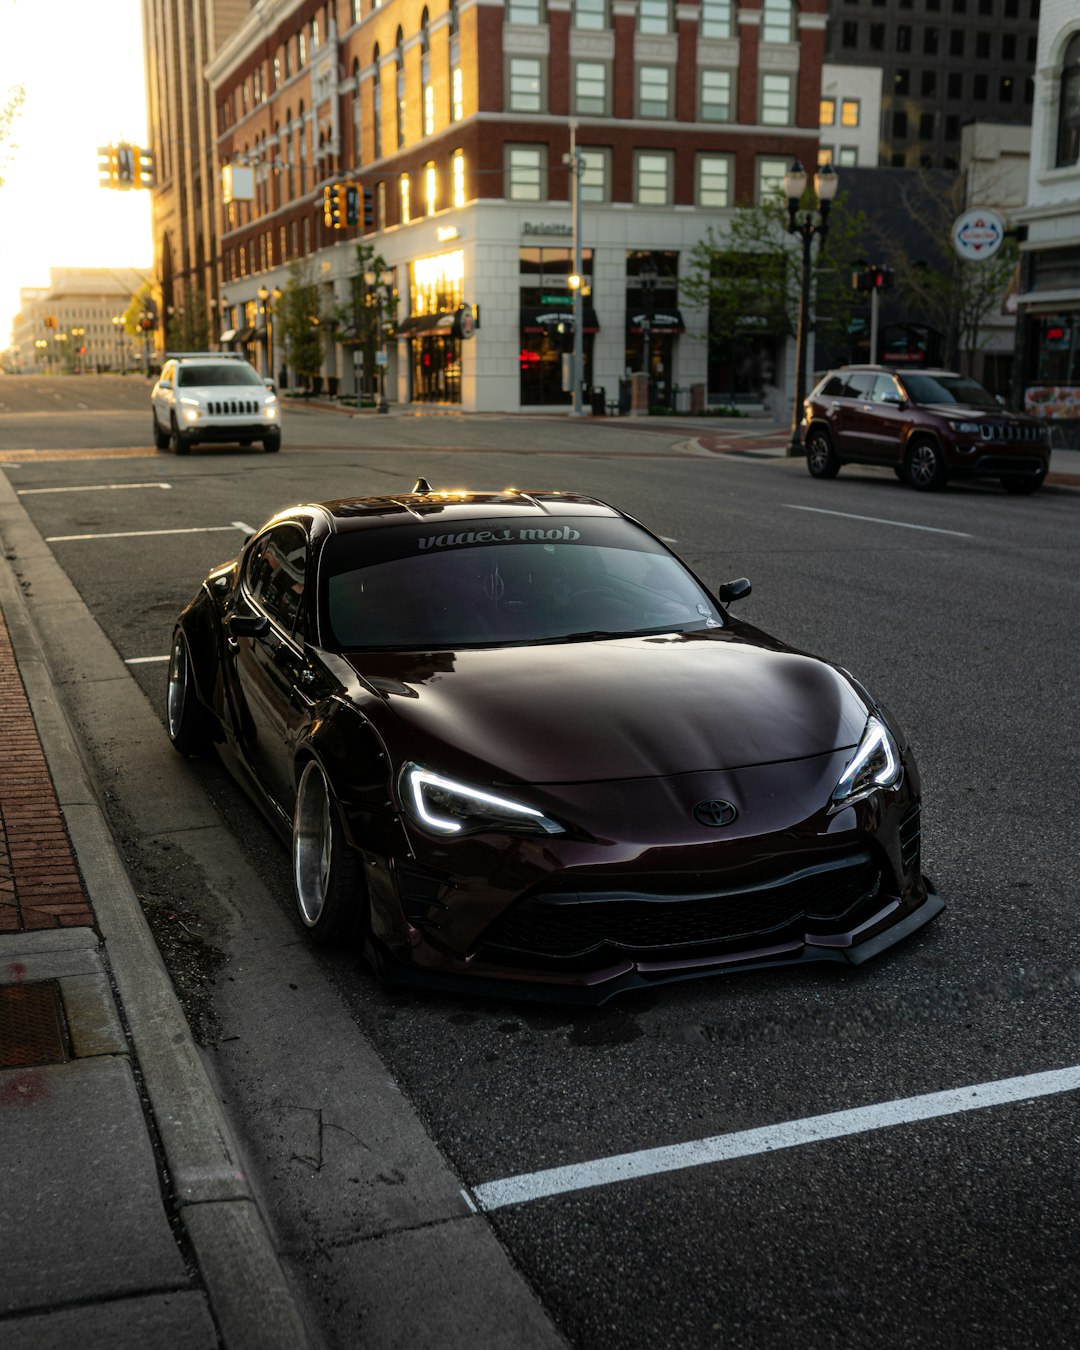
<point x="516" y="745"/>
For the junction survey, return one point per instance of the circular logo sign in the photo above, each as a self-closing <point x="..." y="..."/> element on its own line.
<point x="466" y="323"/>
<point x="978" y="234"/>
<point x="714" y="814"/>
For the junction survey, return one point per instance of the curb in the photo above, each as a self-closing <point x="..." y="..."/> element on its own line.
<point x="247" y="1288"/>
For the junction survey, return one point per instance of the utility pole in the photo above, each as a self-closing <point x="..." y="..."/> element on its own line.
<point x="575" y="162"/>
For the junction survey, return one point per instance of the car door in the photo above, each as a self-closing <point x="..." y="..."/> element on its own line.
<point x="854" y="413"/>
<point x="885" y="421"/>
<point x="273" y="679"/>
<point x="164" y="395"/>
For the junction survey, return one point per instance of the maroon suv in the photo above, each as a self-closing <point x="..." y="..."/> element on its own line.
<point x="928" y="425"/>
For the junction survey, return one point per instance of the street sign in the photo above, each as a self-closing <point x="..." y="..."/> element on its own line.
<point x="380" y="359"/>
<point x="977" y="234"/>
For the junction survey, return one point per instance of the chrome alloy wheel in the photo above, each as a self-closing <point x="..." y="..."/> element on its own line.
<point x="925" y="470"/>
<point x="179" y="684"/>
<point x="312" y="844"/>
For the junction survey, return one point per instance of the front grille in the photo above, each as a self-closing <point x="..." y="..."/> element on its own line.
<point x="232" y="407"/>
<point x="1009" y="431"/>
<point x="825" y="897"/>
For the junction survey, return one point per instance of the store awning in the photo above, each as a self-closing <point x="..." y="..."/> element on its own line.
<point x="661" y="321"/>
<point x="229" y="335"/>
<point x="244" y="335"/>
<point x="428" y="325"/>
<point x="548" y="320"/>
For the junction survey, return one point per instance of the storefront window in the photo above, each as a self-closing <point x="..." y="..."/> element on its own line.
<point x="1057" y="347"/>
<point x="437" y="292"/>
<point x="547" y="329"/>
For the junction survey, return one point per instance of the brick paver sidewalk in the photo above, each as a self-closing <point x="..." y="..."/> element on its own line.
<point x="40" y="886"/>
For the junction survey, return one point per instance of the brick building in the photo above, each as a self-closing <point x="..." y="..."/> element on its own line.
<point x="456" y="117"/>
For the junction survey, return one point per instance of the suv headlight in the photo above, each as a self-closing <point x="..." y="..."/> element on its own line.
<point x="875" y="765"/>
<point x="965" y="428"/>
<point x="448" y="806"/>
<point x="190" y="409"/>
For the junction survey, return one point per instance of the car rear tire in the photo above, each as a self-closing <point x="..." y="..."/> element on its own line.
<point x="180" y="443"/>
<point x="925" y="466"/>
<point x="328" y="879"/>
<point x="188" y="723"/>
<point x="161" y="438"/>
<point x="271" y="444"/>
<point x="821" y="457"/>
<point x="1020" y="485"/>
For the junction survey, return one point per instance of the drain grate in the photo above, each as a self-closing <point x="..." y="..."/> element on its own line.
<point x="31" y="1025"/>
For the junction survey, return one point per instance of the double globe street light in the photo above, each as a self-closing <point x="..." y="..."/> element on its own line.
<point x="806" y="223"/>
<point x="381" y="285"/>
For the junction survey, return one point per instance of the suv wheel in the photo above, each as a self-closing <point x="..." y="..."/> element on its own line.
<point x="180" y="443"/>
<point x="821" y="459"/>
<point x="161" y="438"/>
<point x="925" y="466"/>
<point x="272" y="444"/>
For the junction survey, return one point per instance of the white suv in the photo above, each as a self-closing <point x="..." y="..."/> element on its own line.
<point x="213" y="396"/>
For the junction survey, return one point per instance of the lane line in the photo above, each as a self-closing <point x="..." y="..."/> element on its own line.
<point x="876" y="520"/>
<point x="92" y="487"/>
<point x="648" y="1162"/>
<point x="141" y="534"/>
<point x="143" y="660"/>
<point x="244" y="529"/>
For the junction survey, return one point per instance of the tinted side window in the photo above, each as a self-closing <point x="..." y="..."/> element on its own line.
<point x="833" y="387"/>
<point x="275" y="574"/>
<point x="858" y="384"/>
<point x="884" y="387"/>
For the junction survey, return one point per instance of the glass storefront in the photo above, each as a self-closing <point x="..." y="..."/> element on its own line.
<point x="1052" y="387"/>
<point x="653" y="320"/>
<point x="437" y="291"/>
<point x="547" y="323"/>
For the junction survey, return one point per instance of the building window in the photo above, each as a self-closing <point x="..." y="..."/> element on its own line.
<point x="652" y="175"/>
<point x="849" y="33"/>
<point x="457" y="170"/>
<point x="715" y="96"/>
<point x="902" y="83"/>
<point x="1005" y="89"/>
<point x="714" y="181"/>
<point x="301" y="50"/>
<point x="776" y="21"/>
<point x="982" y="46"/>
<point x="457" y="83"/>
<point x="825" y="154"/>
<point x="590" y="14"/>
<point x="654" y="16"/>
<point x="380" y="206"/>
<point x="847" y="156"/>
<point x="427" y="91"/>
<point x="525" y="164"/>
<point x="590" y="87"/>
<point x="926" y="126"/>
<point x="594" y="176"/>
<point x="903" y="37"/>
<point x="431" y="189"/>
<point x="776" y="100"/>
<point x="877" y="37"/>
<point x="928" y="82"/>
<point x="1068" y="137"/>
<point x="405" y="194"/>
<point x="899" y="125"/>
<point x="654" y="91"/>
<point x="525" y="95"/>
<point x="850" y="112"/>
<point x="952" y="127"/>
<point x="715" y="19"/>
<point x="770" y="177"/>
<point x="956" y="42"/>
<point x="954" y="85"/>
<point x="930" y="42"/>
<point x="980" y="88"/>
<point x="827" y="112"/>
<point x="399" y="77"/>
<point x="376" y="107"/>
<point x="524" y="12"/>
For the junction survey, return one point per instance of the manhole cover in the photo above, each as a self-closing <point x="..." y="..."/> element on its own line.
<point x="31" y="1025"/>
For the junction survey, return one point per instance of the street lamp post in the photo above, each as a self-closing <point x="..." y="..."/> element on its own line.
<point x="647" y="274"/>
<point x="380" y="284"/>
<point x="267" y="300"/>
<point x="62" y="338"/>
<point x="77" y="335"/>
<point x="806" y="224"/>
<point x="575" y="161"/>
<point x="42" y="346"/>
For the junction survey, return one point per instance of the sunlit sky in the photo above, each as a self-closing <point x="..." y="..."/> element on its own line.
<point x="82" y="67"/>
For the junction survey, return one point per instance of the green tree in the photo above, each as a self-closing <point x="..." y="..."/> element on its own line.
<point x="187" y="329"/>
<point x="748" y="273"/>
<point x="302" y="321"/>
<point x="9" y="112"/>
<point x="356" y="320"/>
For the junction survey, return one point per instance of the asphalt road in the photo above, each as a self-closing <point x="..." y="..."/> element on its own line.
<point x="962" y="610"/>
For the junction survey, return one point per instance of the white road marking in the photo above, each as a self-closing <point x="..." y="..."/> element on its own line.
<point x="769" y="1138"/>
<point x="876" y="520"/>
<point x="93" y="487"/>
<point x="139" y="534"/>
<point x="143" y="660"/>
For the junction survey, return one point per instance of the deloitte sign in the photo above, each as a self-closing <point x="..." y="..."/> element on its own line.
<point x="978" y="234"/>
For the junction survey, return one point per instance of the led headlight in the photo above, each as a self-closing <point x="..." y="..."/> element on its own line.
<point x="270" y="409"/>
<point x="966" y="428"/>
<point x="450" y="807"/>
<point x="875" y="765"/>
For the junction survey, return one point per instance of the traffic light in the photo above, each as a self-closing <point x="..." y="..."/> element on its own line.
<point x="331" y="211"/>
<point x="875" y="278"/>
<point x="125" y="165"/>
<point x="369" y="209"/>
<point x="352" y="203"/>
<point x="144" y="167"/>
<point x="108" y="167"/>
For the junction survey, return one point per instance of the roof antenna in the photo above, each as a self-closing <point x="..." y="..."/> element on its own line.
<point x="422" y="488"/>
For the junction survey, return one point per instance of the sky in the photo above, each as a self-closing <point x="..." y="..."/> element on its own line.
<point x="82" y="67"/>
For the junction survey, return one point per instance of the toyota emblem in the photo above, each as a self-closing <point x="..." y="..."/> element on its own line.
<point x="714" y="814"/>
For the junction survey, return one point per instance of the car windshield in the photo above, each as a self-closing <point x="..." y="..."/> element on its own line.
<point x="497" y="581"/>
<point x="948" y="389"/>
<point x="227" y="372"/>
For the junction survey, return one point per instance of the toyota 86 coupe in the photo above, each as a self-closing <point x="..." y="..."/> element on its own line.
<point x="515" y="745"/>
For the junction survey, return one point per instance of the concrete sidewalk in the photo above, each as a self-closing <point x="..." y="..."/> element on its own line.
<point x="125" y="1214"/>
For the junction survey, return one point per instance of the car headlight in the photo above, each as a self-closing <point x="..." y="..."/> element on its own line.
<point x="875" y="765"/>
<point x="965" y="428"/>
<point x="270" y="409"/>
<point x="451" y="807"/>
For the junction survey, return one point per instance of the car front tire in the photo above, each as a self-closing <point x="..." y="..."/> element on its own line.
<point x="161" y="438"/>
<point x="186" y="720"/>
<point x="180" y="443"/>
<point x="271" y="444"/>
<point x="925" y="467"/>
<point x="328" y="877"/>
<point x="821" y="457"/>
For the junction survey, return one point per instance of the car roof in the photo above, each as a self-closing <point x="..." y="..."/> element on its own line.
<point x="205" y="356"/>
<point x="408" y="508"/>
<point x="897" y="370"/>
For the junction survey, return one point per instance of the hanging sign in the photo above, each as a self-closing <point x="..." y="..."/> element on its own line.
<point x="978" y="234"/>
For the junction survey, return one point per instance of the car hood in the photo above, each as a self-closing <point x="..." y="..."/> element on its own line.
<point x="974" y="411"/>
<point x="621" y="708"/>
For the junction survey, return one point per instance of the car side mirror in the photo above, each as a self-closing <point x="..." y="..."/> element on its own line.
<point x="894" y="399"/>
<point x="269" y="383"/>
<point x="731" y="591"/>
<point x="247" y="625"/>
